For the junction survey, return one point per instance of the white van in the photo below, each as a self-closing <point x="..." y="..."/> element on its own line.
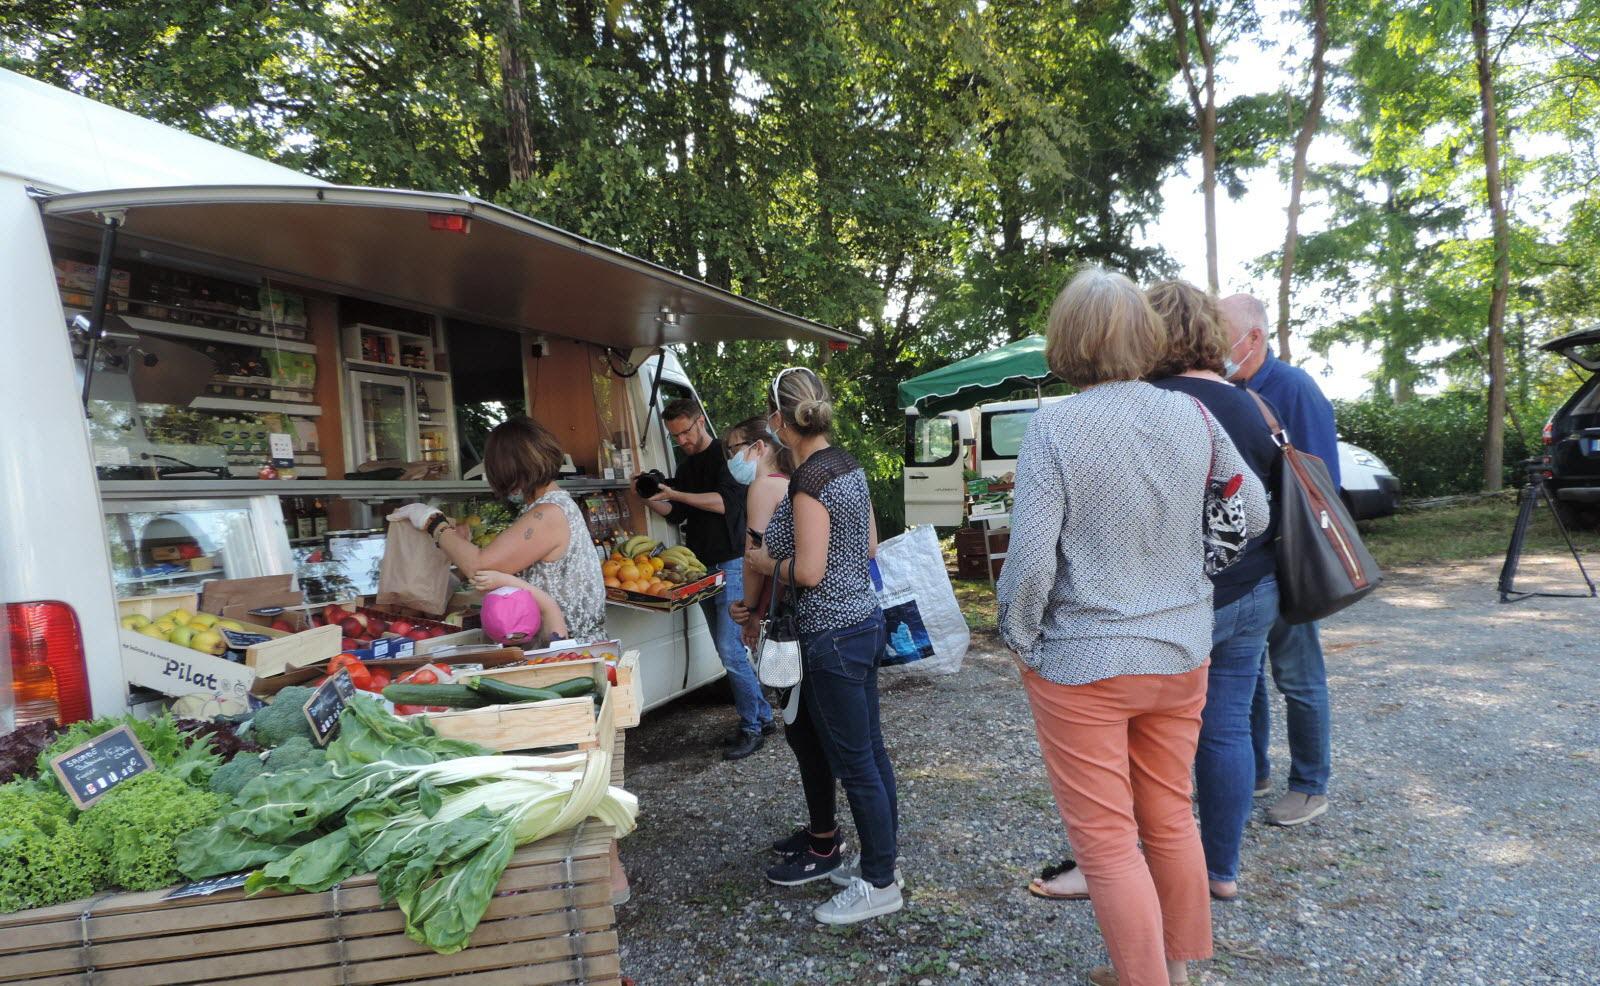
<point x="256" y="314"/>
<point x="942" y="448"/>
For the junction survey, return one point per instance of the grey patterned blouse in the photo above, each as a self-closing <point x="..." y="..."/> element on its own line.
<point x="1105" y="573"/>
<point x="573" y="580"/>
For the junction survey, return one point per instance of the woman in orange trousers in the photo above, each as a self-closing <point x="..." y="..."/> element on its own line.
<point x="1105" y="601"/>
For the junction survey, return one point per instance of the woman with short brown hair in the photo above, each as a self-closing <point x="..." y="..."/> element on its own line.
<point x="1105" y="601"/>
<point x="548" y="544"/>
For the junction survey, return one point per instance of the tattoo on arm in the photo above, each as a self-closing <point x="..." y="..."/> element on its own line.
<point x="527" y="534"/>
<point x="537" y="514"/>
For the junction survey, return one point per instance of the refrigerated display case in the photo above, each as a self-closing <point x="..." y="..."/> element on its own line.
<point x="164" y="546"/>
<point x="384" y="417"/>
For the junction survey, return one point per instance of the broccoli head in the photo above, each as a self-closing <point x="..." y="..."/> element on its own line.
<point x="284" y="718"/>
<point x="230" y="778"/>
<point x="42" y="859"/>
<point x="137" y="827"/>
<point x="296" y="753"/>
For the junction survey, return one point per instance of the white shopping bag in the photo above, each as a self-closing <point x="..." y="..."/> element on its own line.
<point x="926" y="630"/>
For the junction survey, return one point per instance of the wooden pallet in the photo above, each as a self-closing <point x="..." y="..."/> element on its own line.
<point x="550" y="922"/>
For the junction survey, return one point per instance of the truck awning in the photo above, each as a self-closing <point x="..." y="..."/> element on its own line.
<point x="506" y="269"/>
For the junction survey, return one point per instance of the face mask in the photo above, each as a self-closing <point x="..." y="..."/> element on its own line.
<point x="742" y="469"/>
<point x="1230" y="368"/>
<point x="515" y="498"/>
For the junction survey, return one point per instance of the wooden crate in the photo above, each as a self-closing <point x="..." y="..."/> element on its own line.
<point x="551" y="921"/>
<point x="558" y="722"/>
<point x="628" y="698"/>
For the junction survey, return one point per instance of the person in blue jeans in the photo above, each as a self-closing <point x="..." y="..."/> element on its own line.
<point x="1244" y="595"/>
<point x="1294" y="651"/>
<point x="705" y="498"/>
<point x="821" y="539"/>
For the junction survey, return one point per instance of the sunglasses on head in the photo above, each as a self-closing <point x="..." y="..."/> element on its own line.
<point x="777" y="381"/>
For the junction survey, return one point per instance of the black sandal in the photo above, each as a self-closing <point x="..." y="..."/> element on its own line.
<point x="1036" y="886"/>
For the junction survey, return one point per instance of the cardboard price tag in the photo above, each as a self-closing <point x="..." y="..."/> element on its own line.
<point x="90" y="770"/>
<point x="205" y="888"/>
<point x="323" y="707"/>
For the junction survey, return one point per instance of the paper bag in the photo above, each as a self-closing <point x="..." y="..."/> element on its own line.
<point x="414" y="573"/>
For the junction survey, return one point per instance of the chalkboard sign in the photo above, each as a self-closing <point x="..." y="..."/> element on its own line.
<point x="90" y="770"/>
<point x="204" y="888"/>
<point x="325" y="704"/>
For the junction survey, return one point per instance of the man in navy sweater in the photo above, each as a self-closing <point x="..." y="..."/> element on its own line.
<point x="1294" y="651"/>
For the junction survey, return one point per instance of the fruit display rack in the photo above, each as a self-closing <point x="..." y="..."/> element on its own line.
<point x="679" y="598"/>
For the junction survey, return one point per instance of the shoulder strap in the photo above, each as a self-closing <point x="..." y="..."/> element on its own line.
<point x="1205" y="416"/>
<point x="1280" y="437"/>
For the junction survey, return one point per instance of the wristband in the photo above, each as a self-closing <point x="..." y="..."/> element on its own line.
<point x="434" y="525"/>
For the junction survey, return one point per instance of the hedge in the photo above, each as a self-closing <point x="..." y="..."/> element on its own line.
<point x="1435" y="445"/>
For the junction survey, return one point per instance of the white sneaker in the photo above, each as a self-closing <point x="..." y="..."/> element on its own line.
<point x="852" y="871"/>
<point x="858" y="902"/>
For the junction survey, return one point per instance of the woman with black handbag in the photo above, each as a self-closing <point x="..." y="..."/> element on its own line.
<point x="824" y="536"/>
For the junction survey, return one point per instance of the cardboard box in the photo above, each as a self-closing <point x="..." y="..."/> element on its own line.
<point x="174" y="670"/>
<point x="235" y="598"/>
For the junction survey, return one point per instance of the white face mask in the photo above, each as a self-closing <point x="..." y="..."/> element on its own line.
<point x="1230" y="368"/>
<point x="743" y="466"/>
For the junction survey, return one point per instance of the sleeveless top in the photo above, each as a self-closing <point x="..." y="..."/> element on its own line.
<point x="765" y="602"/>
<point x="573" y="580"/>
<point x="845" y="596"/>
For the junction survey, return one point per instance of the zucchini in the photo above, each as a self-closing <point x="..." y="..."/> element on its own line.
<point x="573" y="687"/>
<point x="507" y="693"/>
<point x="453" y="696"/>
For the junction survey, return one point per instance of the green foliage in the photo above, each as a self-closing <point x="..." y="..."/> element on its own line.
<point x="296" y="753"/>
<point x="138" y="825"/>
<point x="284" y="719"/>
<point x="42" y="859"/>
<point x="168" y="747"/>
<point x="1434" y="445"/>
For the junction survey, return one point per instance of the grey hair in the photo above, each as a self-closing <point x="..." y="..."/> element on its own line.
<point x="1244" y="311"/>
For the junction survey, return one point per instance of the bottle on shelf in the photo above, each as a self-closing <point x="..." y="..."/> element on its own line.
<point x="319" y="517"/>
<point x="305" y="522"/>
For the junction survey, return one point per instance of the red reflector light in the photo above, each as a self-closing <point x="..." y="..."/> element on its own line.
<point x="446" y="222"/>
<point x="49" y="678"/>
<point x="837" y="345"/>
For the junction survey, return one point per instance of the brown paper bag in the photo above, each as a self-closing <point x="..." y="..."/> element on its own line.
<point x="414" y="573"/>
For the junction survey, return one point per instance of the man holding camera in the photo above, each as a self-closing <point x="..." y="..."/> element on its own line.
<point x="709" y="503"/>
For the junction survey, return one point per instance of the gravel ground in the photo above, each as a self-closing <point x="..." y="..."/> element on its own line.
<point x="1463" y="846"/>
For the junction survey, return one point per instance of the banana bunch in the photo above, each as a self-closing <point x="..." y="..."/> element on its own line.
<point x="682" y="562"/>
<point x="638" y="544"/>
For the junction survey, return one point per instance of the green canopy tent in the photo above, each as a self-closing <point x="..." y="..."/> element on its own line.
<point x="984" y="377"/>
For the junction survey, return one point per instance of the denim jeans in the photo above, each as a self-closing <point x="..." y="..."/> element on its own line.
<point x="754" y="712"/>
<point x="1295" y="654"/>
<point x="840" y="693"/>
<point x="816" y="777"/>
<point x="1224" y="763"/>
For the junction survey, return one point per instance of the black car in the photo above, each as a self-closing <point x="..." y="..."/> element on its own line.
<point x="1572" y="435"/>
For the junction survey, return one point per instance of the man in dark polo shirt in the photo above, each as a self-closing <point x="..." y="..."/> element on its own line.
<point x="709" y="503"/>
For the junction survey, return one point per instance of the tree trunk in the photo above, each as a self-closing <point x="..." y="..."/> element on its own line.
<point x="1494" y="444"/>
<point x="1203" y="99"/>
<point x="1297" y="181"/>
<point x="514" y="97"/>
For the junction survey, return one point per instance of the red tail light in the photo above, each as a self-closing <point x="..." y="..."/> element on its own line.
<point x="1549" y="432"/>
<point x="49" y="677"/>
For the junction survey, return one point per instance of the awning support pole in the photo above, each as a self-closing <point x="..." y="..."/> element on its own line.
<point x="1038" y="396"/>
<point x="102" y="287"/>
<point x="655" y="387"/>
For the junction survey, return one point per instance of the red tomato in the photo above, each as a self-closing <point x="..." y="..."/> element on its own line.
<point x="611" y="674"/>
<point x="408" y="710"/>
<point x="359" y="675"/>
<point x="422" y="676"/>
<point x="380" y="678"/>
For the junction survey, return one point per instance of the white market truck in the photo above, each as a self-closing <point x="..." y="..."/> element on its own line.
<point x="252" y="314"/>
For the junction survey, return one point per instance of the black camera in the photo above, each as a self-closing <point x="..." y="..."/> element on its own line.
<point x="648" y="484"/>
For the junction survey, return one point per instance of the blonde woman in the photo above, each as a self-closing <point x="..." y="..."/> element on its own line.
<point x="1105" y="601"/>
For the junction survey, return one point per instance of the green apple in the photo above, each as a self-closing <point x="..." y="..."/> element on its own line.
<point x="202" y="621"/>
<point x="165" y="625"/>
<point x="233" y="625"/>
<point x="181" y="616"/>
<point x="182" y="636"/>
<point x="135" y="621"/>
<point x="151" y="630"/>
<point x="209" y="641"/>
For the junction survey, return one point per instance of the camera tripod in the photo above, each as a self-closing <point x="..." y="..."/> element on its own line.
<point x="1531" y="494"/>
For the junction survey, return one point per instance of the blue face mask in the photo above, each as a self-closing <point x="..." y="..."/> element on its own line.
<point x="742" y="469"/>
<point x="515" y="498"/>
<point x="1231" y="368"/>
